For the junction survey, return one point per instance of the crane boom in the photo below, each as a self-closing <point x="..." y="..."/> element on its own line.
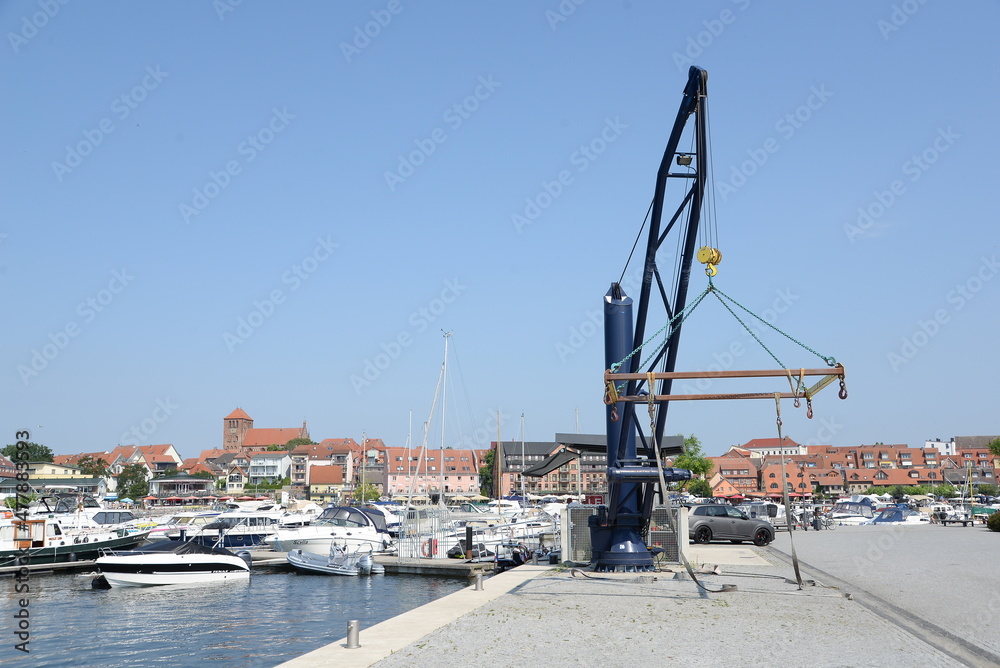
<point x="617" y="530"/>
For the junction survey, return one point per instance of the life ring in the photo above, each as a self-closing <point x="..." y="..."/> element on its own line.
<point x="429" y="547"/>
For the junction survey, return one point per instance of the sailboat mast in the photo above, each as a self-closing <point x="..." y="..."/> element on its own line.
<point x="498" y="462"/>
<point x="523" y="497"/>
<point x="444" y="414"/>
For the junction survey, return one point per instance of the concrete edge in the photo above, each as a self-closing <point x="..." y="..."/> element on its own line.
<point x="394" y="634"/>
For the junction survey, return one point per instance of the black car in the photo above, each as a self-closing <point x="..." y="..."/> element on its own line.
<point x="721" y="522"/>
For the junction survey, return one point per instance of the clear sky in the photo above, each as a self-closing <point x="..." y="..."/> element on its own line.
<point x="281" y="206"/>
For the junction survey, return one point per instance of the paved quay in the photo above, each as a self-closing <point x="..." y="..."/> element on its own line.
<point x="858" y="613"/>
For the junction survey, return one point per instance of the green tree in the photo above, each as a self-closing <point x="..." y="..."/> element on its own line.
<point x="32" y="452"/>
<point x="700" y="487"/>
<point x="203" y="474"/>
<point x="97" y="468"/>
<point x="987" y="489"/>
<point x="994" y="446"/>
<point x="365" y="492"/>
<point x="169" y="473"/>
<point x="946" y="490"/>
<point x="487" y="474"/>
<point x="132" y="482"/>
<point x="275" y="447"/>
<point x="693" y="460"/>
<point x="296" y="442"/>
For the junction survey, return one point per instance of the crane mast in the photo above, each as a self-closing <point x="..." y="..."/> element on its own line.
<point x="617" y="530"/>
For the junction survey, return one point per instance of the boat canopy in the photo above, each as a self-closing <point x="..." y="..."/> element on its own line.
<point x="180" y="547"/>
<point x="352" y="516"/>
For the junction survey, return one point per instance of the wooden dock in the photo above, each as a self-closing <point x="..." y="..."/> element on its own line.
<point x="439" y="567"/>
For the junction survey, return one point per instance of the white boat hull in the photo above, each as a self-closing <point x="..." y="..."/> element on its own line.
<point x="318" y="542"/>
<point x="315" y="563"/>
<point x="158" y="579"/>
<point x="145" y="570"/>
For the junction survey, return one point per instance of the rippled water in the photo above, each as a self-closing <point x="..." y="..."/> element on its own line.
<point x="275" y="617"/>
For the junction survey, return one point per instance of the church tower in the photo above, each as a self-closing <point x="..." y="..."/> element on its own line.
<point x="234" y="430"/>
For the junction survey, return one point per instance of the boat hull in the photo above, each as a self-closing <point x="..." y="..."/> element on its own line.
<point x="142" y="571"/>
<point x="70" y="551"/>
<point x="307" y="561"/>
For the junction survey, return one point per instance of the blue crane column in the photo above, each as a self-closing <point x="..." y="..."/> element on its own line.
<point x="616" y="534"/>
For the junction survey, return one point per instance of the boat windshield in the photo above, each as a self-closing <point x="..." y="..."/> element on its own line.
<point x="853" y="508"/>
<point x="347" y="516"/>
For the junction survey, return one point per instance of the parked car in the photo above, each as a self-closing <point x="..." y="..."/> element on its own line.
<point x="720" y="522"/>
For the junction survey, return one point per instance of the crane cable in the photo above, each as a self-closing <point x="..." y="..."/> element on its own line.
<point x="663" y="493"/>
<point x="784" y="491"/>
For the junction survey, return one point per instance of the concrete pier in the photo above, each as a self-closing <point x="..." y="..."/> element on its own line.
<point x="886" y="596"/>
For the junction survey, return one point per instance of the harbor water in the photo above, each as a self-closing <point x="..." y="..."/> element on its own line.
<point x="276" y="616"/>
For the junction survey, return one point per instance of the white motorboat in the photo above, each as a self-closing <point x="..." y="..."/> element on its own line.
<point x="233" y="529"/>
<point x="350" y="526"/>
<point x="338" y="562"/>
<point x="191" y="521"/>
<point x="170" y="562"/>
<point x="46" y="540"/>
<point x="899" y="517"/>
<point x="852" y="512"/>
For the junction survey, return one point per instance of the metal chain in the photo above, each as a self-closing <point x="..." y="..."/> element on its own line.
<point x="829" y="360"/>
<point x="683" y="315"/>
<point x="750" y="331"/>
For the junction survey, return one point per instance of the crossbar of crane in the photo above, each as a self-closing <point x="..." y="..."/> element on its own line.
<point x="760" y="373"/>
<point x="829" y="375"/>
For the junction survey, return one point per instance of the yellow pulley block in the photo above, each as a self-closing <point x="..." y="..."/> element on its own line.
<point x="710" y="257"/>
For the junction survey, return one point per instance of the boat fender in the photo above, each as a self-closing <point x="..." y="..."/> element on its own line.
<point x="76" y="540"/>
<point x="429" y="547"/>
<point x="85" y="539"/>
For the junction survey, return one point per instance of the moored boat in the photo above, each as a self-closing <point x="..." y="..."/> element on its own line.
<point x="169" y="562"/>
<point x="350" y="526"/>
<point x="44" y="540"/>
<point x="338" y="562"/>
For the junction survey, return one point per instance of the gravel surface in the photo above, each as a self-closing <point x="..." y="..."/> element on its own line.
<point x="567" y="619"/>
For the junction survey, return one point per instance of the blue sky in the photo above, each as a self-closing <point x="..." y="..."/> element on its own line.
<point x="219" y="205"/>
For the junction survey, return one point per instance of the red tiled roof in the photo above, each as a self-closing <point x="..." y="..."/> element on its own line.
<point x="211" y="454"/>
<point x="238" y="414"/>
<point x="265" y="437"/>
<point x="326" y="475"/>
<point x="760" y="443"/>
